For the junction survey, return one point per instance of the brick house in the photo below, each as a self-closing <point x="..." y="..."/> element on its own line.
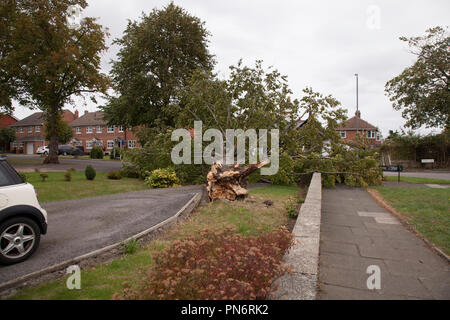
<point x="356" y="124"/>
<point x="92" y="130"/>
<point x="30" y="132"/>
<point x="5" y="122"/>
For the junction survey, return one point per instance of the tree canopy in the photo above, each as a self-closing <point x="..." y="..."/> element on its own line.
<point x="46" y="61"/>
<point x="422" y="91"/>
<point x="157" y="55"/>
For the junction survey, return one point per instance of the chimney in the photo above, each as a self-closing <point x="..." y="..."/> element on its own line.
<point x="358" y="114"/>
<point x="86" y="112"/>
<point x="77" y="114"/>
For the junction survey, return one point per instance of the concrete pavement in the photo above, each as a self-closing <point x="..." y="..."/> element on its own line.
<point x="77" y="227"/>
<point x="357" y="233"/>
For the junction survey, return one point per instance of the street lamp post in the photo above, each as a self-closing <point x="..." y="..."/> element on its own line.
<point x="357" y="103"/>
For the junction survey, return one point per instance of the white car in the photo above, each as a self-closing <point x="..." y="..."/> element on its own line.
<point x="22" y="219"/>
<point x="43" y="150"/>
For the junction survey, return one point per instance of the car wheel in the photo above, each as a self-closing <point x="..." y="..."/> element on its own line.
<point x="19" y="239"/>
<point x="65" y="154"/>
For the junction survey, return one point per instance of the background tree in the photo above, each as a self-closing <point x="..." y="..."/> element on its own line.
<point x="7" y="135"/>
<point x="422" y="90"/>
<point x="48" y="60"/>
<point x="64" y="132"/>
<point x="157" y="56"/>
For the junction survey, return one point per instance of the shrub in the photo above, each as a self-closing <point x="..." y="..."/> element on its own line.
<point x="96" y="153"/>
<point x="215" y="265"/>
<point x="90" y="173"/>
<point x="161" y="178"/>
<point x="71" y="169"/>
<point x="291" y="209"/>
<point x="44" y="176"/>
<point x="37" y="170"/>
<point x="23" y="176"/>
<point x="131" y="246"/>
<point x="114" y="175"/>
<point x="68" y="175"/>
<point x="115" y="153"/>
<point x="130" y="172"/>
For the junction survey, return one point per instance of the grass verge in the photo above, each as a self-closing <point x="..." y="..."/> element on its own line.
<point x="55" y="188"/>
<point x="418" y="180"/>
<point x="250" y="217"/>
<point x="425" y="209"/>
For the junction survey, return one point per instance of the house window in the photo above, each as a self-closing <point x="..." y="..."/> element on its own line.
<point x="99" y="129"/>
<point x="378" y="137"/>
<point x="371" y="134"/>
<point x="131" y="144"/>
<point x="88" y="129"/>
<point x="14" y="144"/>
<point x="78" y="130"/>
<point x="21" y="145"/>
<point x="343" y="134"/>
<point x="110" y="129"/>
<point x="30" y="129"/>
<point x="38" y="129"/>
<point x="110" y="144"/>
<point x="21" y="130"/>
<point x="120" y="128"/>
<point x="89" y="144"/>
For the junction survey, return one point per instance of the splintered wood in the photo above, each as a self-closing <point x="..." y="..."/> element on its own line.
<point x="229" y="182"/>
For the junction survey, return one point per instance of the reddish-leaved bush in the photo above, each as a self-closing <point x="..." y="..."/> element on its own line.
<point x="215" y="265"/>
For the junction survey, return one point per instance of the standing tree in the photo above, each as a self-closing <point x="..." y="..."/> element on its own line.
<point x="157" y="56"/>
<point x="64" y="132"/>
<point x="7" y="135"/>
<point x="422" y="90"/>
<point x="49" y="60"/>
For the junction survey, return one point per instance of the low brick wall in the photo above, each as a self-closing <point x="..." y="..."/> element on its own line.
<point x="304" y="255"/>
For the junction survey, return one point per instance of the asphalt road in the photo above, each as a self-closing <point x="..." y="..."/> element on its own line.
<point x="422" y="174"/>
<point x="77" y="227"/>
<point x="31" y="162"/>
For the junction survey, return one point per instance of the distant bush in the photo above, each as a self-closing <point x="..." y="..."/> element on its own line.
<point x="44" y="176"/>
<point x="90" y="173"/>
<point x="114" y="175"/>
<point x="215" y="265"/>
<point x="130" y="172"/>
<point x="23" y="176"/>
<point x="96" y="153"/>
<point x="161" y="178"/>
<point x="115" y="153"/>
<point x="68" y="175"/>
<point x="71" y="169"/>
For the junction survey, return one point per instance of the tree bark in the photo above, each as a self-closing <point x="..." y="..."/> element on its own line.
<point x="229" y="182"/>
<point x="53" y="143"/>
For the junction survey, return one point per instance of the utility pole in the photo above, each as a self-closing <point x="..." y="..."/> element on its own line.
<point x="357" y="103"/>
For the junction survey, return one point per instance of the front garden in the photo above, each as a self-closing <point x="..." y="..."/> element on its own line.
<point x="225" y="250"/>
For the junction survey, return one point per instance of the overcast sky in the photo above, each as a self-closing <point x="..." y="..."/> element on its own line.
<point x="321" y="44"/>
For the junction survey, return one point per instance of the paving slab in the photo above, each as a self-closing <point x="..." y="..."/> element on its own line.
<point x="371" y="236"/>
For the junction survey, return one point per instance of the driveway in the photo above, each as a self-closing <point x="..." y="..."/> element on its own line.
<point x="26" y="163"/>
<point x="422" y="174"/>
<point x="77" y="227"/>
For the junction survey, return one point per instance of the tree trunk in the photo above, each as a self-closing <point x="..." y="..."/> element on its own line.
<point x="53" y="143"/>
<point x="229" y="182"/>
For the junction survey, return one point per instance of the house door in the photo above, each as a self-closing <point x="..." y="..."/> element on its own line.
<point x="30" y="148"/>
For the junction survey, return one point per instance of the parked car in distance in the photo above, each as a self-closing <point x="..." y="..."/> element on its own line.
<point x="22" y="219"/>
<point x="69" y="151"/>
<point x="43" y="150"/>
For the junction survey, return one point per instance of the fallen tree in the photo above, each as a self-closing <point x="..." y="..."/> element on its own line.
<point x="229" y="182"/>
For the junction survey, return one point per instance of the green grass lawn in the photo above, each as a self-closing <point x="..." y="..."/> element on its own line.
<point x="418" y="180"/>
<point x="55" y="188"/>
<point x="249" y="217"/>
<point x="25" y="162"/>
<point x="425" y="208"/>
